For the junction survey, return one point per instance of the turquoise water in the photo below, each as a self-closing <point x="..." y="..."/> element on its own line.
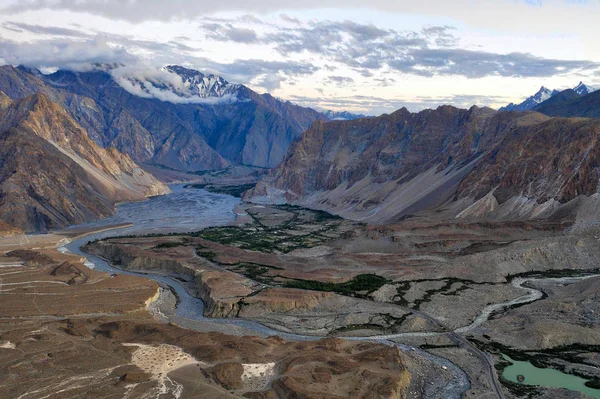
<point x="546" y="377"/>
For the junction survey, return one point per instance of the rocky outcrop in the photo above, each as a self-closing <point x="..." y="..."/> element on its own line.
<point x="221" y="291"/>
<point x="478" y="162"/>
<point x="6" y="230"/>
<point x="5" y="100"/>
<point x="53" y="175"/>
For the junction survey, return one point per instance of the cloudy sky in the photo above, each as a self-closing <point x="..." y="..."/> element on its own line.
<point x="371" y="57"/>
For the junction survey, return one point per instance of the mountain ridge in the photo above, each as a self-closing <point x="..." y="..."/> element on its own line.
<point x="543" y="95"/>
<point x="186" y="136"/>
<point x="470" y="163"/>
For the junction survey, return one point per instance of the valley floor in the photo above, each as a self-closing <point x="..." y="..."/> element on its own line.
<point x="466" y="293"/>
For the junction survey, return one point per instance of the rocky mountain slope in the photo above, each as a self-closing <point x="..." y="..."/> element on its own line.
<point x="178" y="118"/>
<point x="476" y="162"/>
<point x="51" y="173"/>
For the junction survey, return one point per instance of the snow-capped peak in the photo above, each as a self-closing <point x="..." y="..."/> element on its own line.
<point x="342" y="115"/>
<point x="542" y="95"/>
<point x="582" y="89"/>
<point x="198" y="84"/>
<point x="176" y="84"/>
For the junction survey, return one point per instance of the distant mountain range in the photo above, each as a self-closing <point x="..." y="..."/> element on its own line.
<point x="175" y="117"/>
<point x="545" y="94"/>
<point x="343" y="115"/>
<point x="569" y="104"/>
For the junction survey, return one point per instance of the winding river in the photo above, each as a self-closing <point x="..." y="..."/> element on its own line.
<point x="193" y="209"/>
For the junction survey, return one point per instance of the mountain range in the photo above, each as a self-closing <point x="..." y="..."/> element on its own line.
<point x="174" y="117"/>
<point x="343" y="115"/>
<point x="476" y="163"/>
<point x="569" y="104"/>
<point x="544" y="94"/>
<point x="84" y="133"/>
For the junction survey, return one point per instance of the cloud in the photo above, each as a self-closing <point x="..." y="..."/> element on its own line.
<point x="340" y="80"/>
<point x="61" y="53"/>
<point x="245" y="70"/>
<point x="149" y="82"/>
<point x="364" y="48"/>
<point x="291" y="20"/>
<point x="479" y="64"/>
<point x="269" y="82"/>
<point x="433" y="51"/>
<point x="45" y="30"/>
<point x="493" y="14"/>
<point x="228" y="32"/>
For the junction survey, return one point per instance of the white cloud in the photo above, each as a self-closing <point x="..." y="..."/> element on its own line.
<point x="63" y="53"/>
<point x="149" y="82"/>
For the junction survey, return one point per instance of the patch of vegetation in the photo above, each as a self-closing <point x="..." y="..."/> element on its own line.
<point x="554" y="273"/>
<point x="210" y="255"/>
<point x="233" y="190"/>
<point x="284" y="237"/>
<point x="255" y="271"/>
<point x="446" y="290"/>
<point x="594" y="384"/>
<point x="169" y="245"/>
<point x="359" y="286"/>
<point x="304" y="229"/>
<point x="401" y="289"/>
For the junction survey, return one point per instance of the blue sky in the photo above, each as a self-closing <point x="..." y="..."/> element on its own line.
<point x="328" y="54"/>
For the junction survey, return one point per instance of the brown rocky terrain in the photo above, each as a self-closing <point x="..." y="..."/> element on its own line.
<point x="475" y="163"/>
<point x="52" y="175"/>
<point x="106" y="344"/>
<point x="6" y="230"/>
<point x="437" y="277"/>
<point x="230" y="294"/>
